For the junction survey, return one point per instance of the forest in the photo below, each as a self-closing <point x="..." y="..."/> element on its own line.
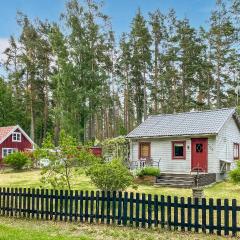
<point x="76" y="75"/>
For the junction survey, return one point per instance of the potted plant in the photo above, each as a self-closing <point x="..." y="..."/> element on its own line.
<point x="147" y="175"/>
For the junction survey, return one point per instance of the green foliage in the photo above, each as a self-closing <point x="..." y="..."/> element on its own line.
<point x="110" y="176"/>
<point x="148" y="171"/>
<point x="59" y="171"/>
<point x="115" y="148"/>
<point x="235" y="174"/>
<point x="17" y="160"/>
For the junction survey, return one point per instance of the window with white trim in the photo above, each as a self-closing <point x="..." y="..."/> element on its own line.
<point x="236" y="151"/>
<point x="7" y="151"/>
<point x="16" y="137"/>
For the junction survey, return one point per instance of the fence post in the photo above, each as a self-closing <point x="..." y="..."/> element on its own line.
<point x="226" y="217"/>
<point x="8" y="200"/>
<point x="56" y="205"/>
<point x="103" y="207"/>
<point x="24" y="201"/>
<point x="196" y="215"/>
<point x="81" y="206"/>
<point x="125" y="205"/>
<point x="137" y="209"/>
<point x="211" y="228"/>
<point x="76" y="205"/>
<point x="131" y="209"/>
<point x="42" y="203"/>
<point x="37" y="202"/>
<point x="91" y="206"/>
<point x="175" y="213"/>
<point x="12" y="201"/>
<point x="71" y="206"/>
<point x="143" y="210"/>
<point x="162" y="211"/>
<point x="149" y="221"/>
<point x="219" y="217"/>
<point x="119" y="207"/>
<point x="33" y="203"/>
<point x="16" y="202"/>
<point x="156" y="210"/>
<point x="114" y="207"/>
<point x="46" y="204"/>
<point x="97" y="206"/>
<point x="51" y="204"/>
<point x="234" y="217"/>
<point x="189" y="213"/>
<point x="169" y="212"/>
<point x="204" y="222"/>
<point x="61" y="205"/>
<point x="108" y="207"/>
<point x="182" y="214"/>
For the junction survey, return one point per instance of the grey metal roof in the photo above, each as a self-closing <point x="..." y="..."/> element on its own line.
<point x="187" y="123"/>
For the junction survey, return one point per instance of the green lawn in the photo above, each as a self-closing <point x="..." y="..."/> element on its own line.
<point x="32" y="179"/>
<point x="23" y="229"/>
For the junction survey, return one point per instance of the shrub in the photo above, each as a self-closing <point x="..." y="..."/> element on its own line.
<point x="17" y="160"/>
<point x="149" y="171"/>
<point x="235" y="174"/>
<point x="110" y="176"/>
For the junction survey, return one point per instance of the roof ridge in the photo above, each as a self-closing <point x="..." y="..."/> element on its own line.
<point x="179" y="113"/>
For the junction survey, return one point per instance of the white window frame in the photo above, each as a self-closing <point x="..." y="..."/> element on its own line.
<point x="15" y="137"/>
<point x="9" y="151"/>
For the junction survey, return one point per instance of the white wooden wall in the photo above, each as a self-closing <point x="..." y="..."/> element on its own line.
<point x="161" y="149"/>
<point x="227" y="136"/>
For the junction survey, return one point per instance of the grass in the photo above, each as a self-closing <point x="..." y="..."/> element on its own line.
<point x="31" y="179"/>
<point x="24" y="229"/>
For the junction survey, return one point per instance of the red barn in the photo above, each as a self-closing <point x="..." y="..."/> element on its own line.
<point x="13" y="138"/>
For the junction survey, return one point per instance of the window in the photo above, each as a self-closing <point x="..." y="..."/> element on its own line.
<point x="16" y="137"/>
<point x="178" y="150"/>
<point x="199" y="147"/>
<point x="144" y="150"/>
<point x="236" y="151"/>
<point x="7" y="151"/>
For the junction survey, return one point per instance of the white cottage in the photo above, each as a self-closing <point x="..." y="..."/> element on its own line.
<point x="185" y="143"/>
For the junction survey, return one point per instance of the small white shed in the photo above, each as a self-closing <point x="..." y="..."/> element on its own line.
<point x="189" y="142"/>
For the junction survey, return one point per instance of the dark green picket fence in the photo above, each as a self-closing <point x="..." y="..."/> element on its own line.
<point x="127" y="209"/>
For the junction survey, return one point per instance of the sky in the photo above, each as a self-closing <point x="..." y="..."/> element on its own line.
<point x="120" y="11"/>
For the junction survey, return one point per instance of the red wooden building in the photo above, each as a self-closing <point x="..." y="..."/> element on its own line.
<point x="13" y="138"/>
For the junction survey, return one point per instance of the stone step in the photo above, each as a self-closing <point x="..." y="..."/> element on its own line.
<point x="176" y="177"/>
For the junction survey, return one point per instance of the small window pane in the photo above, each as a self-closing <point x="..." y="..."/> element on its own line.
<point x="178" y="149"/>
<point x="199" y="147"/>
<point x="145" y="150"/>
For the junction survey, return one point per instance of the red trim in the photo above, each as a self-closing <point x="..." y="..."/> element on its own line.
<point x="184" y="150"/>
<point x="237" y="145"/>
<point x="149" y="149"/>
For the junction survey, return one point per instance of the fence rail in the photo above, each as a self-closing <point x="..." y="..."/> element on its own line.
<point x="123" y="208"/>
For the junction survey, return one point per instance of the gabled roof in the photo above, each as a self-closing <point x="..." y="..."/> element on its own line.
<point x="187" y="123"/>
<point x="5" y="132"/>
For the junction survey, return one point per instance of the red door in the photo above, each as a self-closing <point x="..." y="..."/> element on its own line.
<point x="199" y="154"/>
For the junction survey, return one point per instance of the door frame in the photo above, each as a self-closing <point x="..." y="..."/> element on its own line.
<point x="206" y="141"/>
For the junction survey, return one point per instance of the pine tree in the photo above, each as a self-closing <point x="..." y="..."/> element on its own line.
<point x="140" y="63"/>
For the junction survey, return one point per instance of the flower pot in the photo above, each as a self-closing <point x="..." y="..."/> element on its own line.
<point x="145" y="180"/>
<point x="198" y="192"/>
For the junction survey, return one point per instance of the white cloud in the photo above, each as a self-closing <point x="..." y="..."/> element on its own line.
<point x="3" y="45"/>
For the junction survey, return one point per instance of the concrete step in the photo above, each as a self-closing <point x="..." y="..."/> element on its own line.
<point x="188" y="181"/>
<point x="176" y="185"/>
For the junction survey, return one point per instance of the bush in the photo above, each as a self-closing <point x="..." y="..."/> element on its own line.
<point x="235" y="174"/>
<point x="110" y="176"/>
<point x="149" y="171"/>
<point x="17" y="160"/>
